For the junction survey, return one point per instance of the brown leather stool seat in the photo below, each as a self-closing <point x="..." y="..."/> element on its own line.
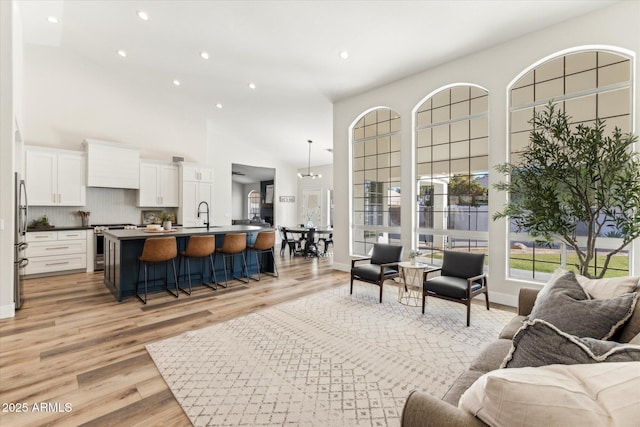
<point x="233" y="244"/>
<point x="265" y="241"/>
<point x="157" y="250"/>
<point x="199" y="247"/>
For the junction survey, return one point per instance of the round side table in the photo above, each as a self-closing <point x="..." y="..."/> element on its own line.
<point x="410" y="291"/>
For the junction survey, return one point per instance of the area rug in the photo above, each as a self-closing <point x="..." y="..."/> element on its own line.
<point x="330" y="359"/>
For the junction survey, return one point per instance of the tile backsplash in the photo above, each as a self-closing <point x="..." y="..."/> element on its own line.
<point x="107" y="206"/>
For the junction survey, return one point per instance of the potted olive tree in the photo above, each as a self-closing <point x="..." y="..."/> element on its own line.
<point x="573" y="177"/>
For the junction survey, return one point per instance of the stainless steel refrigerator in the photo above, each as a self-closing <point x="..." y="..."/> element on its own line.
<point x="20" y="227"/>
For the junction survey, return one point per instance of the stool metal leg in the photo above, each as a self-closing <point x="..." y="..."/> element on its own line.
<point x="246" y="270"/>
<point x="224" y="263"/>
<point x="166" y="277"/>
<point x="144" y="301"/>
<point x="257" y="263"/>
<point x="188" y="263"/>
<point x="213" y="281"/>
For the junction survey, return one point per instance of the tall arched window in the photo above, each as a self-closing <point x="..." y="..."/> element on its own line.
<point x="587" y="84"/>
<point x="452" y="171"/>
<point x="376" y="180"/>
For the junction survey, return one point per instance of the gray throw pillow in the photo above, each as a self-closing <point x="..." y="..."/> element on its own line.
<point x="539" y="343"/>
<point x="567" y="306"/>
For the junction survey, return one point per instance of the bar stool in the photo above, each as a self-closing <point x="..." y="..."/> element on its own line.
<point x="155" y="251"/>
<point x="199" y="247"/>
<point x="232" y="245"/>
<point x="264" y="243"/>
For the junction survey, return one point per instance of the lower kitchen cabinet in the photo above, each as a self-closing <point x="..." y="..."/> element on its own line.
<point x="56" y="251"/>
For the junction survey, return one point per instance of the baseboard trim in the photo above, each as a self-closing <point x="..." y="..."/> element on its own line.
<point x="8" y="310"/>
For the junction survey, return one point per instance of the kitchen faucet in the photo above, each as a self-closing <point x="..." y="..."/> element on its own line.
<point x="206" y="211"/>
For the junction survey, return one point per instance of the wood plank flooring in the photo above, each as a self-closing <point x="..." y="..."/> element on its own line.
<point x="72" y="344"/>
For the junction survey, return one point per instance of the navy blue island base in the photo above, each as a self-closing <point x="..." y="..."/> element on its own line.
<point x="123" y="247"/>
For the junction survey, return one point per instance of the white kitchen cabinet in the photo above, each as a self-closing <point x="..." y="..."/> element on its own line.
<point x="200" y="173"/>
<point x="55" y="177"/>
<point x="56" y="251"/>
<point x="159" y="185"/>
<point x="196" y="185"/>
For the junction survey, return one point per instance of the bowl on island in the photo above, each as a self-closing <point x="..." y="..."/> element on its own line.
<point x="154" y="227"/>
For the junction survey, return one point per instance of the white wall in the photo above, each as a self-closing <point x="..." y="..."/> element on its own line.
<point x="225" y="150"/>
<point x="237" y="200"/>
<point x="492" y="69"/>
<point x="68" y="99"/>
<point x="7" y="120"/>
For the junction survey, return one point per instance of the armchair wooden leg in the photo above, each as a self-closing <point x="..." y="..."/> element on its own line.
<point x="468" y="312"/>
<point x="486" y="296"/>
<point x="351" y="288"/>
<point x="381" y="283"/>
<point x="424" y="299"/>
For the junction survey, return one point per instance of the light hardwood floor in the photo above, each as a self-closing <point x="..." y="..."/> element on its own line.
<point x="73" y="344"/>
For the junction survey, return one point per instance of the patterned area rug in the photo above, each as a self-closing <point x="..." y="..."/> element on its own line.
<point x="331" y="359"/>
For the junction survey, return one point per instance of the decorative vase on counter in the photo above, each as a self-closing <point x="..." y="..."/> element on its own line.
<point x="166" y="225"/>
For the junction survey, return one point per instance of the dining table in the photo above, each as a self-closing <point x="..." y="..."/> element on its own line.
<point x="300" y="234"/>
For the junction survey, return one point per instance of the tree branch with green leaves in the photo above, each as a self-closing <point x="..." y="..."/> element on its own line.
<point x="570" y="175"/>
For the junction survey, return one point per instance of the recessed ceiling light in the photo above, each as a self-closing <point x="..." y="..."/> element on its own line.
<point x="344" y="54"/>
<point x="176" y="82"/>
<point x="122" y="53"/>
<point x="219" y="106"/>
<point x="53" y="19"/>
<point x="204" y="55"/>
<point x="252" y="85"/>
<point x="142" y="15"/>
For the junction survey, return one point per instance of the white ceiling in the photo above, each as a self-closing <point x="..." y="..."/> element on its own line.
<point x="289" y="49"/>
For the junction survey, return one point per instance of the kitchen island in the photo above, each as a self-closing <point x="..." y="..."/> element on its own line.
<point x="123" y="247"/>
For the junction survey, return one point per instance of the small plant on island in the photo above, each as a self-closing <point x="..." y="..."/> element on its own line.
<point x="166" y="216"/>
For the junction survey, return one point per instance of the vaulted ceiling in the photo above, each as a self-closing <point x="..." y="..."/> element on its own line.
<point x="288" y="49"/>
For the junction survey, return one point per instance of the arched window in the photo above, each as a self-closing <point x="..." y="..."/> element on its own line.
<point x="376" y="180"/>
<point x="452" y="171"/>
<point x="587" y="84"/>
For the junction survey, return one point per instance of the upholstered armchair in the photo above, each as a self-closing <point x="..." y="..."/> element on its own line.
<point x="461" y="278"/>
<point x="383" y="265"/>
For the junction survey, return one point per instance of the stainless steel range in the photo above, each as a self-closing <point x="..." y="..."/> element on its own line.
<point x="98" y="242"/>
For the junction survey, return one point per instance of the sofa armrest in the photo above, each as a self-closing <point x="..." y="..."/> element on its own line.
<point x="423" y="410"/>
<point x="526" y="299"/>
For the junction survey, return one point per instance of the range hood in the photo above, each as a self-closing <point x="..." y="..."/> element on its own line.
<point x="112" y="165"/>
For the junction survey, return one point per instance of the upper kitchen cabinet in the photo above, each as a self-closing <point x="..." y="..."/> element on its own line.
<point x="112" y="165"/>
<point x="197" y="173"/>
<point x="158" y="185"/>
<point x="55" y="177"/>
<point x="196" y="186"/>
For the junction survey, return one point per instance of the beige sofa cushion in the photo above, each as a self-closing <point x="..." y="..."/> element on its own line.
<point x="597" y="288"/>
<point x="608" y="288"/>
<point x="574" y="395"/>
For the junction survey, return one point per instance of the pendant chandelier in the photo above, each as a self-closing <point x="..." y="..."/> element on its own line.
<point x="309" y="174"/>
